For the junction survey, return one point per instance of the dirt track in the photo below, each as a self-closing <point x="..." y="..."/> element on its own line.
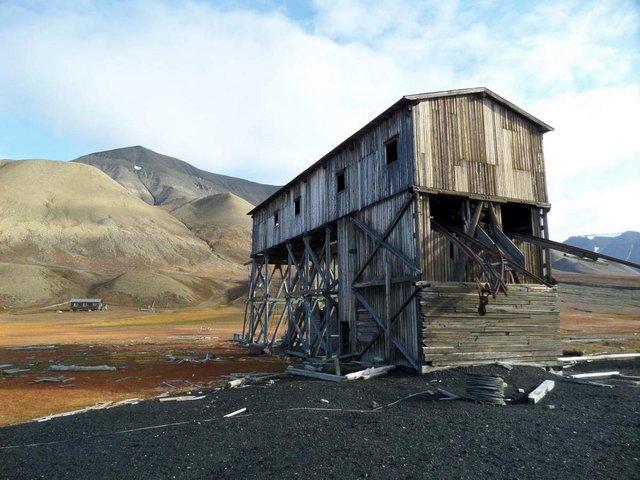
<point x="577" y="431"/>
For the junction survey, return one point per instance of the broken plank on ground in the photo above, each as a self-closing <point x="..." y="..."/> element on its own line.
<point x="81" y="368"/>
<point x="318" y="375"/>
<point x="369" y="372"/>
<point x="53" y="379"/>
<point x="595" y="375"/>
<point x="15" y="371"/>
<point x="540" y="391"/>
<point x="599" y="357"/>
<point x="183" y="398"/>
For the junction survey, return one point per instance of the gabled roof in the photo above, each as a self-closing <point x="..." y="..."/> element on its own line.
<point x="406" y="100"/>
<point x="482" y="90"/>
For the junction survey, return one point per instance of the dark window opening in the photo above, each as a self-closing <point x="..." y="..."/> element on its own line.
<point x="296" y="206"/>
<point x="391" y="151"/>
<point x="340" y="181"/>
<point x="516" y="218"/>
<point x="276" y="218"/>
<point x="447" y="211"/>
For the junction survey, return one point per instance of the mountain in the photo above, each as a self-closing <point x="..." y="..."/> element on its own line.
<point x="68" y="229"/>
<point x="69" y="214"/>
<point x="221" y="220"/>
<point x="159" y="179"/>
<point x="625" y="246"/>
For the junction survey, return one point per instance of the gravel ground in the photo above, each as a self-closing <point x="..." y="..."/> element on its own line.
<point x="288" y="431"/>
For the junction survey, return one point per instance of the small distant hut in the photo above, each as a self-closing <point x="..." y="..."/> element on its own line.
<point x="413" y="242"/>
<point x="87" y="304"/>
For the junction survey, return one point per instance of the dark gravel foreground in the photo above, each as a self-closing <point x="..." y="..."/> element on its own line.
<point x="577" y="431"/>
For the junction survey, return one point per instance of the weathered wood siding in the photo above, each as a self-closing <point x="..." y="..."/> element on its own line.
<point x="522" y="326"/>
<point x="368" y="179"/>
<point x="354" y="248"/>
<point x="474" y="145"/>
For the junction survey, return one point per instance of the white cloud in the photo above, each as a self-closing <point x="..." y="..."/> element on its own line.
<point x="608" y="211"/>
<point x="233" y="92"/>
<point x="259" y="95"/>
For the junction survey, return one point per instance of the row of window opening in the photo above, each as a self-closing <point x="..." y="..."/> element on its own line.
<point x="391" y="156"/>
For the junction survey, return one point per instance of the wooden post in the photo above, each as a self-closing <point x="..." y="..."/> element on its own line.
<point x="548" y="268"/>
<point x="327" y="290"/>
<point x="387" y="312"/>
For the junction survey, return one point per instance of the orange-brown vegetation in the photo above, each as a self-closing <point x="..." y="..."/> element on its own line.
<point x="135" y="342"/>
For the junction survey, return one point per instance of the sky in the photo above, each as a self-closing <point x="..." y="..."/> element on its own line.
<point x="261" y="90"/>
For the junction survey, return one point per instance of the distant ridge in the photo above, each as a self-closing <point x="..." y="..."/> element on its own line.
<point x="625" y="246"/>
<point x="159" y="179"/>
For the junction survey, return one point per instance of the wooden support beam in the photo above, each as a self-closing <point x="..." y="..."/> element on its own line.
<point x="470" y="229"/>
<point x="405" y="352"/>
<point x="384" y="237"/>
<point x="391" y="321"/>
<point x="378" y="238"/>
<point x="381" y="281"/>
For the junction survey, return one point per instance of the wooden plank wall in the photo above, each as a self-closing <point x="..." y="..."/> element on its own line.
<point x="523" y="326"/>
<point x="354" y="247"/>
<point x="368" y="180"/>
<point x="472" y="144"/>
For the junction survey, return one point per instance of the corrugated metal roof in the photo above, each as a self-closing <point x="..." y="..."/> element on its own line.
<point x="85" y="300"/>
<point x="407" y="99"/>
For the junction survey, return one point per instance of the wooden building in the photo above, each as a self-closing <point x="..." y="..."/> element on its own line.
<point x="398" y="246"/>
<point x="87" y="304"/>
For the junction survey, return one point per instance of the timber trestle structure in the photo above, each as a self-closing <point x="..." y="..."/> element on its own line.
<point x="421" y="240"/>
<point x="294" y="293"/>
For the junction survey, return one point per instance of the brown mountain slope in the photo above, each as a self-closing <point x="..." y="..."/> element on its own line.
<point x="221" y="220"/>
<point x="60" y="213"/>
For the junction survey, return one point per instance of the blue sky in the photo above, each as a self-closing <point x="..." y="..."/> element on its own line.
<point x="262" y="89"/>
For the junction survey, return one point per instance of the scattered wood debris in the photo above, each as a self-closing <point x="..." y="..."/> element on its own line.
<point x="35" y="347"/>
<point x="596" y="375"/>
<point x="244" y="379"/>
<point x="540" y="391"/>
<point x="98" y="406"/>
<point x="207" y="358"/>
<point x="81" y="368"/>
<point x="587" y="382"/>
<point x="128" y="401"/>
<point x="586" y="358"/>
<point x="237" y="412"/>
<point x="485" y="388"/>
<point x="368" y="373"/>
<point x="448" y="395"/>
<point x="182" y="398"/>
<point x="60" y="379"/>
<point x="15" y="371"/>
<point x="236" y="382"/>
<point x="319" y="375"/>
